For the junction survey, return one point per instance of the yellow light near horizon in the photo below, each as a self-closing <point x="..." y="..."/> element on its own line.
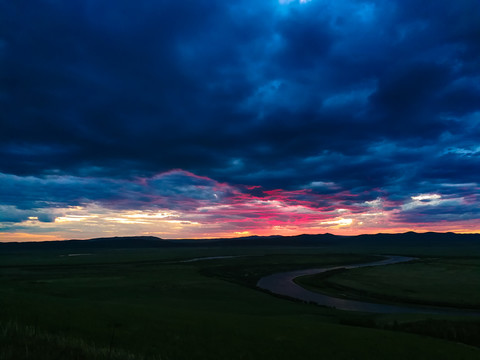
<point x="72" y="218"/>
<point x="345" y="222"/>
<point x="125" y="221"/>
<point x="183" y="222"/>
<point x="158" y="215"/>
<point x="339" y="222"/>
<point x="21" y="237"/>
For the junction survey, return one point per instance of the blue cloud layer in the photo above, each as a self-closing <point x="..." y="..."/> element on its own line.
<point x="376" y="97"/>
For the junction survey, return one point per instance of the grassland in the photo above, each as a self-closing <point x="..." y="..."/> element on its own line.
<point x="450" y="282"/>
<point x="144" y="304"/>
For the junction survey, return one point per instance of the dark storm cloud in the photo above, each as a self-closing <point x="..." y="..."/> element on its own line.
<point x="365" y="95"/>
<point x="24" y="197"/>
<point x="447" y="210"/>
<point x="11" y="214"/>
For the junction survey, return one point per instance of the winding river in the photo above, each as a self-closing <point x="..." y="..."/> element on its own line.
<point x="283" y="284"/>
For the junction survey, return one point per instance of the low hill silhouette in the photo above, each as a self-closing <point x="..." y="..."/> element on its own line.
<point x="124" y="242"/>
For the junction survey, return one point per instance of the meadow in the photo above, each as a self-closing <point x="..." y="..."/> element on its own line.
<point x="447" y="282"/>
<point x="148" y="304"/>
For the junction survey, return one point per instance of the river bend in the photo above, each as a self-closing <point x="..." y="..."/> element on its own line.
<point x="283" y="284"/>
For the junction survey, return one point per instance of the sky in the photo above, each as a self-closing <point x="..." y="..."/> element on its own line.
<point x="214" y="118"/>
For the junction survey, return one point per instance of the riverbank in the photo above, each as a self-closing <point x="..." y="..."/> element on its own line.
<point x="288" y="284"/>
<point x="148" y="304"/>
<point x="429" y="282"/>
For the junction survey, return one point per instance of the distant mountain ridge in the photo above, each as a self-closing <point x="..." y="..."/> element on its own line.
<point x="408" y="238"/>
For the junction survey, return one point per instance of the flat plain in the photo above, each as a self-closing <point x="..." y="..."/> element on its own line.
<point x="149" y="304"/>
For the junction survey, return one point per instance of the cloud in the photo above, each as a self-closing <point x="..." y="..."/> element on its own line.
<point x="359" y="100"/>
<point x="12" y="214"/>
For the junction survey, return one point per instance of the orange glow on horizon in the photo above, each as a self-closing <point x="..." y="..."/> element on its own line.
<point x="23" y="237"/>
<point x="294" y="231"/>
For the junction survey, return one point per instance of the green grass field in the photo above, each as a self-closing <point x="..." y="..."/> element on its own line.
<point x="453" y="282"/>
<point x="142" y="304"/>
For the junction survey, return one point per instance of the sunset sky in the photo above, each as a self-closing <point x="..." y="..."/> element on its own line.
<point x="226" y="118"/>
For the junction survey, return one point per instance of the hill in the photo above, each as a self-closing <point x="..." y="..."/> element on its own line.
<point x="375" y="242"/>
